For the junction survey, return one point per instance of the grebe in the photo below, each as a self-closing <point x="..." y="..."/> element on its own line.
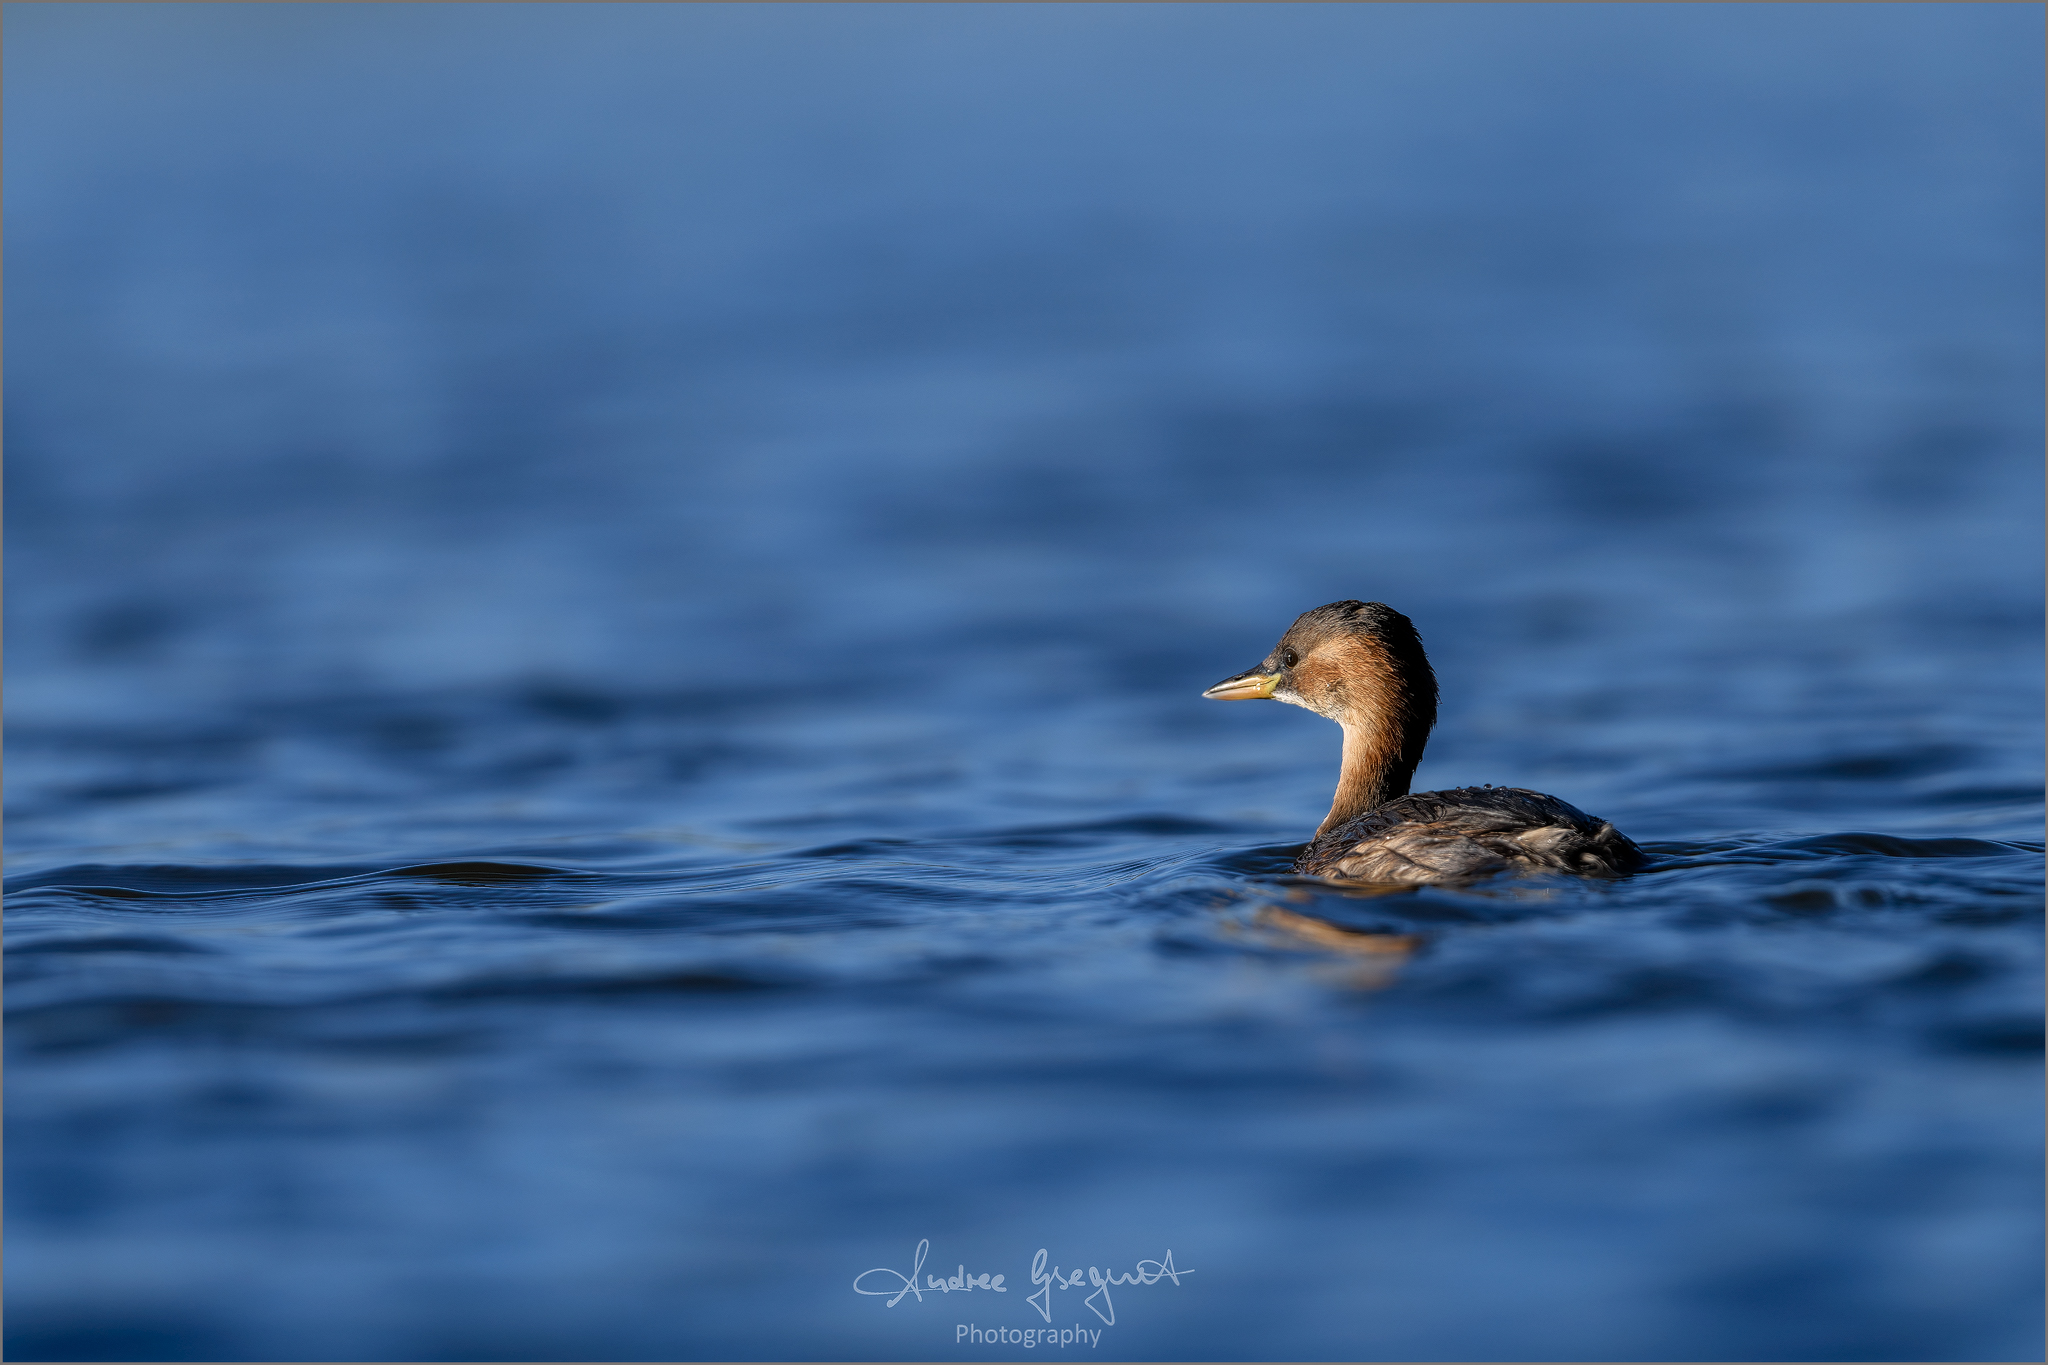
<point x="1361" y="664"/>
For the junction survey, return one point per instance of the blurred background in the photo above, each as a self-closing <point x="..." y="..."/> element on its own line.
<point x="623" y="435"/>
<point x="434" y="345"/>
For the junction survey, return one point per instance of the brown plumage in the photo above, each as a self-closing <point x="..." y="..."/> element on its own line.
<point x="1361" y="664"/>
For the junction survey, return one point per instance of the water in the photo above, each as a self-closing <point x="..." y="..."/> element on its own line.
<point x="606" y="611"/>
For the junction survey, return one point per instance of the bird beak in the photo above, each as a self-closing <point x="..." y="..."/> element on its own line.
<point x="1249" y="685"/>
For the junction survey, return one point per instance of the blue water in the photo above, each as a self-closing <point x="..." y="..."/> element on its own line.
<point x="606" y="610"/>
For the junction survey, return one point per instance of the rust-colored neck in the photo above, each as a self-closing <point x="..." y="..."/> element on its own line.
<point x="1373" y="773"/>
<point x="1385" y="698"/>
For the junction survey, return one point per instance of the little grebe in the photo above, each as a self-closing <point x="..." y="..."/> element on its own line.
<point x="1361" y="664"/>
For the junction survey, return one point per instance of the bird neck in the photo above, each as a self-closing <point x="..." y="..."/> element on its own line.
<point x="1374" y="772"/>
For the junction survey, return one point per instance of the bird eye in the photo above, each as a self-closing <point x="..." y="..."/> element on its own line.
<point x="1288" y="658"/>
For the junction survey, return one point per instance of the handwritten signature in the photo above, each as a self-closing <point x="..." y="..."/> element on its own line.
<point x="958" y="1282"/>
<point x="1148" y="1272"/>
<point x="896" y="1284"/>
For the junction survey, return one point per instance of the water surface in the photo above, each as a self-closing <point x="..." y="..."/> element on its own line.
<point x="605" y="652"/>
